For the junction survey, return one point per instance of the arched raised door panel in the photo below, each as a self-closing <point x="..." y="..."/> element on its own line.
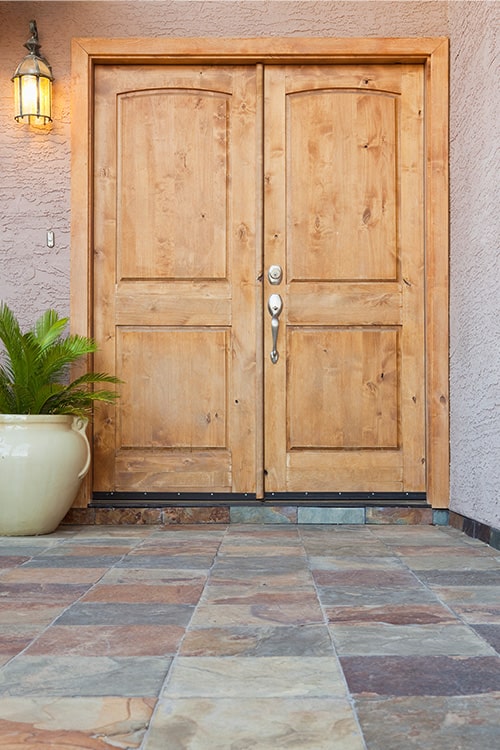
<point x="202" y="169"/>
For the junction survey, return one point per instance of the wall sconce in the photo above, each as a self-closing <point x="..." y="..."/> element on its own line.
<point x="33" y="85"/>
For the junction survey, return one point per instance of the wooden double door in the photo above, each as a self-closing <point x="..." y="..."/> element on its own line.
<point x="214" y="188"/>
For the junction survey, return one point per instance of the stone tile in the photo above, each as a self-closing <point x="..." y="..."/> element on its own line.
<point x="283" y="640"/>
<point x="252" y="514"/>
<point x="440" y="723"/>
<point x="353" y="596"/>
<point x="422" y="675"/>
<point x="337" y="562"/>
<point x="490" y="633"/>
<point x="253" y="580"/>
<point x="390" y="515"/>
<point x="478" y="613"/>
<point x="449" y="563"/>
<point x="229" y="549"/>
<point x="367" y="577"/>
<point x="11" y="561"/>
<point x="462" y="577"/>
<point x="266" y="677"/>
<point x="270" y="565"/>
<point x="208" y="515"/>
<point x="14" y="641"/>
<point x="171" y="548"/>
<point x="330" y="515"/>
<point x="347" y="548"/>
<point x="53" y="575"/>
<point x="51" y="676"/>
<point x="75" y="548"/>
<point x="186" y="593"/>
<point x="71" y="723"/>
<point x="468" y="594"/>
<point x="73" y="561"/>
<point x="403" y="614"/>
<point x="108" y="640"/>
<point x="220" y="615"/>
<point x="131" y="613"/>
<point x="154" y="577"/>
<point x="265" y="595"/>
<point x="416" y="535"/>
<point x="408" y="640"/>
<point x="440" y="517"/>
<point x="43" y="593"/>
<point x="127" y="516"/>
<point x="185" y="562"/>
<point x="14" y="616"/>
<point x="260" y="724"/>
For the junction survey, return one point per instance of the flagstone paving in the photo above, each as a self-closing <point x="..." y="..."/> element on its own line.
<point x="241" y="636"/>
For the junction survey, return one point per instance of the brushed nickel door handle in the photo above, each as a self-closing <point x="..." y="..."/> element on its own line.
<point x="275" y="306"/>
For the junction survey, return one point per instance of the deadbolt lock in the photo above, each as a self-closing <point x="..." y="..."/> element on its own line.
<point x="275" y="274"/>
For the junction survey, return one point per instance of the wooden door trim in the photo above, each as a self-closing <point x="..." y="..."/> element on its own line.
<point x="433" y="53"/>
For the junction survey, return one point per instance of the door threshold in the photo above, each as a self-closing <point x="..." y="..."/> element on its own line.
<point x="294" y="499"/>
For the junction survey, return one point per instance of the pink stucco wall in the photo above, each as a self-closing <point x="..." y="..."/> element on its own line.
<point x="35" y="172"/>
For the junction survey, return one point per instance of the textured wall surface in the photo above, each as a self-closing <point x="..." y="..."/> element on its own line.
<point x="475" y="262"/>
<point x="35" y="172"/>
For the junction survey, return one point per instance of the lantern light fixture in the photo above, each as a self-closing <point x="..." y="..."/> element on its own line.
<point x="33" y="85"/>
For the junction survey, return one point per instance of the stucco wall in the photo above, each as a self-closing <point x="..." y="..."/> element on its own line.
<point x="35" y="172"/>
<point x="475" y="262"/>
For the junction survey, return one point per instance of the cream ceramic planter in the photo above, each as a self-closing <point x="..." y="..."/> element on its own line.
<point x="43" y="459"/>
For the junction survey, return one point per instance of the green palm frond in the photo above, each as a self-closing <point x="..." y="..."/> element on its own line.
<point x="34" y="368"/>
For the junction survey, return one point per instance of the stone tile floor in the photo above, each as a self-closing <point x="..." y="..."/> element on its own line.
<point x="236" y="637"/>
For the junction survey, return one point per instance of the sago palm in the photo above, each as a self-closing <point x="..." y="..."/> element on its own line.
<point x="34" y="368"/>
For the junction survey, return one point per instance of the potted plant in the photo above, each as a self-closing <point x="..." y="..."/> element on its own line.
<point x="44" y="450"/>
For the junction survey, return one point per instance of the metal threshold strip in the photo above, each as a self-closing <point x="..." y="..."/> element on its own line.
<point x="200" y="499"/>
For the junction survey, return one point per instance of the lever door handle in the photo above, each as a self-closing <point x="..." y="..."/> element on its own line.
<point x="275" y="306"/>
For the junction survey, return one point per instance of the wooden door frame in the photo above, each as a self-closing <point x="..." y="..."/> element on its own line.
<point x="433" y="53"/>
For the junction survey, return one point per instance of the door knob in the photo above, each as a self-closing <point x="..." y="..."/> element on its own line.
<point x="275" y="306"/>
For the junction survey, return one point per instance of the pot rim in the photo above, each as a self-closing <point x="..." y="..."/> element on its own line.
<point x="27" y="418"/>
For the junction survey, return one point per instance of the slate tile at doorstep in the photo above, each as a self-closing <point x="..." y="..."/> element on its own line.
<point x="281" y="515"/>
<point x="443" y="723"/>
<point x="169" y="548"/>
<point x="42" y="723"/>
<point x="408" y="640"/>
<point x="421" y="675"/>
<point x="99" y="613"/>
<point x="51" y="676"/>
<point x="330" y="515"/>
<point x="254" y="677"/>
<point x="241" y="640"/>
<point x="260" y="724"/>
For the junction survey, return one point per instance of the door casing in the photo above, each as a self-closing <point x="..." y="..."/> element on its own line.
<point x="432" y="53"/>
